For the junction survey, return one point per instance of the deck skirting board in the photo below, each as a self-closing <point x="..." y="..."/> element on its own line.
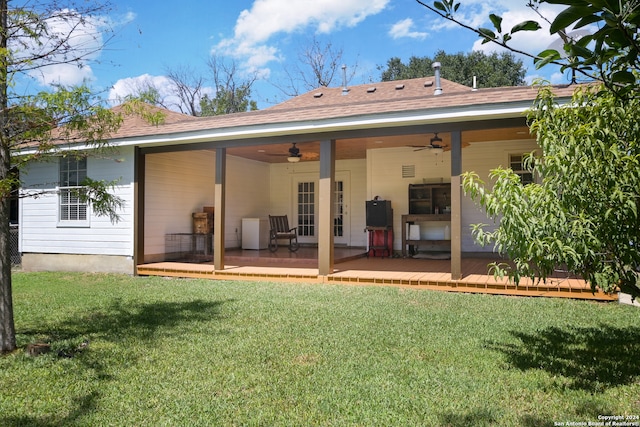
<point x="473" y="283"/>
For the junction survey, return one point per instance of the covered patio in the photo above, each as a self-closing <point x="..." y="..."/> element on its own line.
<point x="380" y="141"/>
<point x="352" y="267"/>
<point x="320" y="165"/>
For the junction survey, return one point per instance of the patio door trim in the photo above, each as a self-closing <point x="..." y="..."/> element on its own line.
<point x="310" y="177"/>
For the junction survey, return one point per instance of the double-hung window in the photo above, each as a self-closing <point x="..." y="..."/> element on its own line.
<point x="73" y="211"/>
<point x="517" y="165"/>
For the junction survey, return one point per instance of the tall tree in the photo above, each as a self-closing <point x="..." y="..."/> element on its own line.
<point x="493" y="70"/>
<point x="319" y="64"/>
<point x="610" y="54"/>
<point x="187" y="87"/>
<point x="583" y="215"/>
<point x="145" y="91"/>
<point x="232" y="92"/>
<point x="39" y="126"/>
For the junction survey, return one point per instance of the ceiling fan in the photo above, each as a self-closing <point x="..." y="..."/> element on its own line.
<point x="294" y="155"/>
<point x="435" y="144"/>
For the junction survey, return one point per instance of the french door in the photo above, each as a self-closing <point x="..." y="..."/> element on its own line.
<point x="305" y="196"/>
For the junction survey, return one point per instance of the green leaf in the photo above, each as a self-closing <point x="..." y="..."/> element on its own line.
<point x="569" y="16"/>
<point x="580" y="51"/>
<point x="623" y="77"/>
<point x="584" y="41"/>
<point x="487" y="33"/>
<point x="438" y="5"/>
<point x="545" y="57"/>
<point x="526" y="26"/>
<point x="97" y="192"/>
<point x="591" y="19"/>
<point x="612" y="5"/>
<point x="496" y="21"/>
<point x="618" y="38"/>
<point x="631" y="205"/>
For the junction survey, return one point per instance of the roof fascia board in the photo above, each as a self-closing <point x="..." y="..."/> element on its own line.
<point x="229" y="136"/>
<point x="345" y="134"/>
<point x="391" y="123"/>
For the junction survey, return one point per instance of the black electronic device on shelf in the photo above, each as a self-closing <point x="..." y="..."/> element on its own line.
<point x="380" y="227"/>
<point x="379" y="213"/>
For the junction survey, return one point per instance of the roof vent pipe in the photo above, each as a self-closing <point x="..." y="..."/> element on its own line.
<point x="436" y="68"/>
<point x="345" y="89"/>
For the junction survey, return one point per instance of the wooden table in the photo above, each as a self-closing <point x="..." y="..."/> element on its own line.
<point x="410" y="219"/>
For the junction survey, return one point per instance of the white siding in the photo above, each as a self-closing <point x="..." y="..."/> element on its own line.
<point x="247" y="196"/>
<point x="176" y="185"/>
<point x="357" y="210"/>
<point x="181" y="183"/>
<point x="481" y="158"/>
<point x="384" y="178"/>
<point x="39" y="228"/>
<point x="282" y="192"/>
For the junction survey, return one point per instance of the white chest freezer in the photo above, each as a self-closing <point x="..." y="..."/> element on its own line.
<point x="255" y="233"/>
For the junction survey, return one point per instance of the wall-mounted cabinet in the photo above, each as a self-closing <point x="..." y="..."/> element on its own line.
<point x="428" y="203"/>
<point x="429" y="199"/>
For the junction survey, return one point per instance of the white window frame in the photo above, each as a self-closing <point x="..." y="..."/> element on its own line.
<point x="72" y="171"/>
<point x="520" y="171"/>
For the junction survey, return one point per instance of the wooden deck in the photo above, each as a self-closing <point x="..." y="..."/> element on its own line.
<point x="353" y="268"/>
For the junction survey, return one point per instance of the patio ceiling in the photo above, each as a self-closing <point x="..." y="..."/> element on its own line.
<point x="357" y="148"/>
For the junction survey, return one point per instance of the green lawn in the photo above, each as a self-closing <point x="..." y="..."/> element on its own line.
<point x="168" y="352"/>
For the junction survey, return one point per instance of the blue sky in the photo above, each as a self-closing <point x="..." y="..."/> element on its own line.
<point x="265" y="37"/>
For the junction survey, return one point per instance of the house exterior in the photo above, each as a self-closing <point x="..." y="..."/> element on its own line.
<point x="356" y="143"/>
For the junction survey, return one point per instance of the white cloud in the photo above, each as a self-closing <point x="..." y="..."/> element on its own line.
<point x="63" y="74"/>
<point x="128" y="17"/>
<point x="533" y="42"/>
<point x="471" y="13"/>
<point x="84" y="40"/>
<point x="526" y="41"/>
<point x="558" y="78"/>
<point x="402" y="29"/>
<point x="166" y="89"/>
<point x="553" y="78"/>
<point x="256" y="27"/>
<point x="133" y="85"/>
<point x="475" y="14"/>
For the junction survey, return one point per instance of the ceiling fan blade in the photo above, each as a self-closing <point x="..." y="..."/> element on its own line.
<point x="418" y="147"/>
<point x="293" y="152"/>
<point x="423" y="147"/>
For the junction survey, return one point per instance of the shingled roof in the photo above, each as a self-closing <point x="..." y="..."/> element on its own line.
<point x="370" y="100"/>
